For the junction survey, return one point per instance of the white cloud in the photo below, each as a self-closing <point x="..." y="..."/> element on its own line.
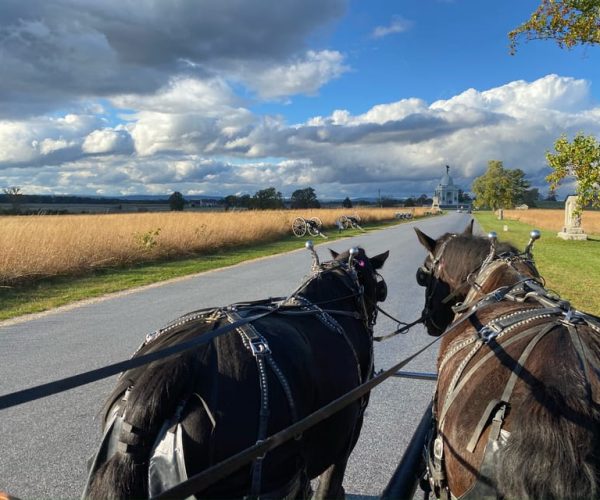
<point x="301" y="76"/>
<point x="56" y="53"/>
<point x="214" y="145"/>
<point x="397" y="25"/>
<point x="107" y="141"/>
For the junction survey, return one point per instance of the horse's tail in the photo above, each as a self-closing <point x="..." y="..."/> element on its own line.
<point x="153" y="396"/>
<point x="554" y="449"/>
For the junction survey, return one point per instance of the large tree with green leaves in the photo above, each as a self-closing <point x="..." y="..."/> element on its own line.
<point x="176" y="201"/>
<point x="581" y="160"/>
<point x="268" y="198"/>
<point x="305" y="198"/>
<point x="499" y="187"/>
<point x="568" y="22"/>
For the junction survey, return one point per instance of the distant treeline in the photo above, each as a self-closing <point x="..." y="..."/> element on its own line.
<point x="83" y="200"/>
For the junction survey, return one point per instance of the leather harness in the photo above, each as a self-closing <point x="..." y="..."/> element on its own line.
<point x="167" y="463"/>
<point x="546" y="311"/>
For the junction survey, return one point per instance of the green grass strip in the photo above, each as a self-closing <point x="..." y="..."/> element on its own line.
<point x="54" y="292"/>
<point x="570" y="268"/>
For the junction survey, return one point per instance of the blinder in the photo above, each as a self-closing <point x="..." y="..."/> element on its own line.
<point x="381" y="289"/>
<point x="423" y="276"/>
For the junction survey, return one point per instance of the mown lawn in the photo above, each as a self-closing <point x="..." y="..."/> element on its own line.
<point x="570" y="268"/>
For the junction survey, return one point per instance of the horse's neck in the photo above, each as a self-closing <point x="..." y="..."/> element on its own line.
<point x="328" y="291"/>
<point x="498" y="274"/>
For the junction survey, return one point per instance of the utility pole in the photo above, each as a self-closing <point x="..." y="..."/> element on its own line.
<point x="379" y="193"/>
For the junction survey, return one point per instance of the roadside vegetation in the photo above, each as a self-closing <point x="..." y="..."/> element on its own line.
<point x="554" y="219"/>
<point x="46" y="261"/>
<point x="36" y="247"/>
<point x="570" y="268"/>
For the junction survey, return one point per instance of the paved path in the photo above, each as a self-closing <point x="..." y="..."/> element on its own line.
<point x="44" y="445"/>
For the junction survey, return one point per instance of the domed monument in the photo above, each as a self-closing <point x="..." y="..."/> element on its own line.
<point x="446" y="193"/>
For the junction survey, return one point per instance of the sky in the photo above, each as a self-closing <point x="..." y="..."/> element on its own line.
<point x="212" y="97"/>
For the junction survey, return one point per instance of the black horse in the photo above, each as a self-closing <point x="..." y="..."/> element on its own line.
<point x="517" y="405"/>
<point x="176" y="417"/>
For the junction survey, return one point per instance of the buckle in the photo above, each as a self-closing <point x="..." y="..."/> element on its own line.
<point x="489" y="332"/>
<point x="259" y="347"/>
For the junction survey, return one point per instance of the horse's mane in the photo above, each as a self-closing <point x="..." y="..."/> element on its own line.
<point x="465" y="253"/>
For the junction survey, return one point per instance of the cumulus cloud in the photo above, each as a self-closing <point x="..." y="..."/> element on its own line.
<point x="302" y="76"/>
<point x="194" y="135"/>
<point x="397" y="25"/>
<point x="107" y="141"/>
<point x="56" y="53"/>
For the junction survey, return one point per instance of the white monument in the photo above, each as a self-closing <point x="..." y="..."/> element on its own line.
<point x="572" y="229"/>
<point x="446" y="191"/>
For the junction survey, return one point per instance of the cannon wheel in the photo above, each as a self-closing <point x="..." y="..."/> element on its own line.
<point x="345" y="222"/>
<point x="299" y="226"/>
<point x="314" y="229"/>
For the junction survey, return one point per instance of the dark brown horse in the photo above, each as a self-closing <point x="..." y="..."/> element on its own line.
<point x="516" y="408"/>
<point x="176" y="417"/>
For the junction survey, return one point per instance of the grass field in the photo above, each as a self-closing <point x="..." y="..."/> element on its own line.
<point x="43" y="293"/>
<point x="554" y="219"/>
<point x="37" y="247"/>
<point x="571" y="268"/>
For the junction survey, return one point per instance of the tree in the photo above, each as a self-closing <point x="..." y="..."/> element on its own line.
<point x="551" y="196"/>
<point x="176" y="201"/>
<point x="231" y="201"/>
<point x="347" y="203"/>
<point x="568" y="22"/>
<point x="530" y="197"/>
<point x="423" y="200"/>
<point x="305" y="198"/>
<point x="580" y="159"/>
<point x="14" y="196"/>
<point x="268" y="198"/>
<point x="463" y="197"/>
<point x="499" y="187"/>
<point x="387" y="202"/>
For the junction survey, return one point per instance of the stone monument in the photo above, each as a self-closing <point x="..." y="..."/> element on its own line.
<point x="435" y="204"/>
<point x="572" y="229"/>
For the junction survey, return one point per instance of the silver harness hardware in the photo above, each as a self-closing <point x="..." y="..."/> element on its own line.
<point x="546" y="306"/>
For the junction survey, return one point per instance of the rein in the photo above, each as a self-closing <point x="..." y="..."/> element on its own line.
<point x="57" y="386"/>
<point x="405" y="328"/>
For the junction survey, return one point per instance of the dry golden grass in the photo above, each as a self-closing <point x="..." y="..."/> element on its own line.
<point x="33" y="247"/>
<point x="554" y="219"/>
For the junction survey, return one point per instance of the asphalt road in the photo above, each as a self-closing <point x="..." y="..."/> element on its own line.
<point x="44" y="445"/>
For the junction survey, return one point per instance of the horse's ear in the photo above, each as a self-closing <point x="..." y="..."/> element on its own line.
<point x="426" y="241"/>
<point x="378" y="261"/>
<point x="334" y="254"/>
<point x="469" y="229"/>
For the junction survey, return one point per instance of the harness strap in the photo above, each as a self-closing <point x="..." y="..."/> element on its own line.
<point x="259" y="348"/>
<point x="508" y="389"/>
<point x="495" y="347"/>
<point x="588" y="365"/>
<point x="331" y="323"/>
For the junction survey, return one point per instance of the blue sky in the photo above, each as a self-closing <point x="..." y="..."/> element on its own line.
<point x="348" y="97"/>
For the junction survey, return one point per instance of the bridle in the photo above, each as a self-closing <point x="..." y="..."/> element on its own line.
<point x="429" y="278"/>
<point x="351" y="269"/>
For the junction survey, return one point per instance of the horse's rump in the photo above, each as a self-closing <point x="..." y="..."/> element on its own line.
<point x="203" y="379"/>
